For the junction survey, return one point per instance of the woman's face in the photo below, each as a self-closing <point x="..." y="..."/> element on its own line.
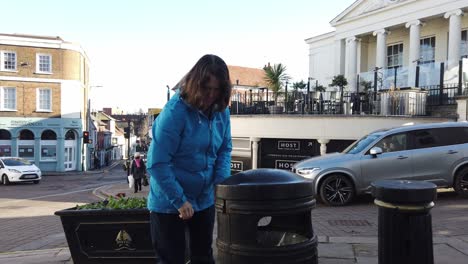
<point x="212" y="88"/>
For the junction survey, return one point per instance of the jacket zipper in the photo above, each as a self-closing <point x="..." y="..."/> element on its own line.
<point x="209" y="145"/>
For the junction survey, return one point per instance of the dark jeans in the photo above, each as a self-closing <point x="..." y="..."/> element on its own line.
<point x="137" y="184"/>
<point x="168" y="234"/>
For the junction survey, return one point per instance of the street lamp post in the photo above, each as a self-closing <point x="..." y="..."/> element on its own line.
<point x="308" y="93"/>
<point x="87" y="126"/>
<point x="168" y="92"/>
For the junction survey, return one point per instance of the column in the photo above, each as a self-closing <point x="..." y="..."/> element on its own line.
<point x="454" y="36"/>
<point x="254" y="143"/>
<point x="60" y="151"/>
<point x="340" y="54"/>
<point x="14" y="143"/>
<point x="414" y="48"/>
<point x="381" y="49"/>
<point x="462" y="108"/>
<point x="37" y="149"/>
<point x="323" y="145"/>
<point x="351" y="62"/>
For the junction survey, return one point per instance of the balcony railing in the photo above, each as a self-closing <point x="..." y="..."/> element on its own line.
<point x="379" y="92"/>
<point x="408" y="102"/>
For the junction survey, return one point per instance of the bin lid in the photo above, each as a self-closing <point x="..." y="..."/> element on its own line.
<point x="403" y="191"/>
<point x="264" y="184"/>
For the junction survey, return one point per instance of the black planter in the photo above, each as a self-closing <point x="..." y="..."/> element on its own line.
<point x="108" y="236"/>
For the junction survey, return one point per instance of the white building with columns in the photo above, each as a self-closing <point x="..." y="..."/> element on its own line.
<point x="389" y="34"/>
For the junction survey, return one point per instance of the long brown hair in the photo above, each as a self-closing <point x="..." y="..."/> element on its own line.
<point x="194" y="83"/>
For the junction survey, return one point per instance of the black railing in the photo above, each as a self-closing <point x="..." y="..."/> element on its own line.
<point x="437" y="84"/>
<point x="384" y="102"/>
<point x="297" y="102"/>
<point x="445" y="96"/>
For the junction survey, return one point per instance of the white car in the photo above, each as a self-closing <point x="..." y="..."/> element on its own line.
<point x="14" y="169"/>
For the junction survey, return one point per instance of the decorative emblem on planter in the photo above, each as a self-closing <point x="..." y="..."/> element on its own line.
<point x="124" y="241"/>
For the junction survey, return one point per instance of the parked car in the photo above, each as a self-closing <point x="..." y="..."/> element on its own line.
<point x="14" y="169"/>
<point x="430" y="152"/>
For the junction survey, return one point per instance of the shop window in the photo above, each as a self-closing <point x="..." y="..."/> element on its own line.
<point x="48" y="151"/>
<point x="48" y="145"/>
<point x="48" y="135"/>
<point x="5" y="143"/>
<point x="26" y="135"/>
<point x="26" y="144"/>
<point x="5" y="134"/>
<point x="5" y="150"/>
<point x="70" y="135"/>
<point x="26" y="151"/>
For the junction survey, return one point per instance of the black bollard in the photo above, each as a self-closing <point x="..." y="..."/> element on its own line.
<point x="405" y="224"/>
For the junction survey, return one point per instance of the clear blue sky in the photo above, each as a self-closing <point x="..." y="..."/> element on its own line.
<point x="138" y="47"/>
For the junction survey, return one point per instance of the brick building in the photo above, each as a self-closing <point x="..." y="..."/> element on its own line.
<point x="44" y="85"/>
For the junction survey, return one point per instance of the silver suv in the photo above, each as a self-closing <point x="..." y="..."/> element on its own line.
<point x="431" y="152"/>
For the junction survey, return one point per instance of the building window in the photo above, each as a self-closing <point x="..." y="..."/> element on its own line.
<point x="70" y="135"/>
<point x="427" y="50"/>
<point x="395" y="55"/>
<point x="43" y="63"/>
<point x="26" y="134"/>
<point x="48" y="145"/>
<point x="5" y="143"/>
<point x="7" y="98"/>
<point x="8" y="61"/>
<point x="464" y="44"/>
<point x="26" y="150"/>
<point x="26" y="144"/>
<point x="44" y="100"/>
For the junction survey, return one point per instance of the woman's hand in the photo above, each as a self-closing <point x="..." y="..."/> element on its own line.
<point x="186" y="211"/>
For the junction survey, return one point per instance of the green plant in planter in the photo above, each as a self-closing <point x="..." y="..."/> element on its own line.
<point x="115" y="203"/>
<point x="275" y="76"/>
<point x="341" y="82"/>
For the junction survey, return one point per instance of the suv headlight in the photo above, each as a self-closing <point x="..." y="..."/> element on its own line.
<point x="15" y="171"/>
<point x="308" y="172"/>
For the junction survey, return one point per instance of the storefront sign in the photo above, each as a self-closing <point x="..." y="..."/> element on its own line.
<point x="237" y="165"/>
<point x="284" y="164"/>
<point x="289" y="145"/>
<point x="282" y="153"/>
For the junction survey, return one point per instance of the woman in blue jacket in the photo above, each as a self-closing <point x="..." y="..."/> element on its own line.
<point x="190" y="153"/>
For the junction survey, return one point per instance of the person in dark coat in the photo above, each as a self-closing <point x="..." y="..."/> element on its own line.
<point x="138" y="171"/>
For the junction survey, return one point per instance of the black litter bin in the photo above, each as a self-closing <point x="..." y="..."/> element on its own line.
<point x="264" y="216"/>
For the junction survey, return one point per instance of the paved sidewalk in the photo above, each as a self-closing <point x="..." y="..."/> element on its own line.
<point x="342" y="247"/>
<point x="89" y="172"/>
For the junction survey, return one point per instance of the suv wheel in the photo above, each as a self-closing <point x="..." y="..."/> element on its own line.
<point x="5" y="180"/>
<point x="461" y="182"/>
<point x="337" y="190"/>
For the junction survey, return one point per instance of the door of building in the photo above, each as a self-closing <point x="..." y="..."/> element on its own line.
<point x="70" y="158"/>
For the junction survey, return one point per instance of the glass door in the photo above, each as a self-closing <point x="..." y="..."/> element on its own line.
<point x="70" y="159"/>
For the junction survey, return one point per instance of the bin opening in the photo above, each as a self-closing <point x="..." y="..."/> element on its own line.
<point x="277" y="234"/>
<point x="272" y="238"/>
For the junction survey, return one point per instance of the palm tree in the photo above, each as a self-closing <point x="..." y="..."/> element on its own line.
<point x="275" y="76"/>
<point x="299" y="85"/>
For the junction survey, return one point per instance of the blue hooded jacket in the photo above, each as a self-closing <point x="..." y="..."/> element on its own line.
<point x="189" y="154"/>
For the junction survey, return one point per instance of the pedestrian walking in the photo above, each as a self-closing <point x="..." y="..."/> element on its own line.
<point x="138" y="170"/>
<point x="190" y="153"/>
